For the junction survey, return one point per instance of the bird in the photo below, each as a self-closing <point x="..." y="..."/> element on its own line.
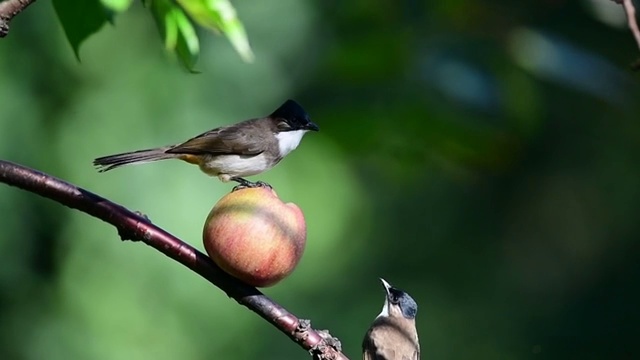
<point x="231" y="152"/>
<point x="393" y="334"/>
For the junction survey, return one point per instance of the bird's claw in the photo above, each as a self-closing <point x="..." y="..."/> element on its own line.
<point x="239" y="187"/>
<point x="246" y="184"/>
<point x="263" y="184"/>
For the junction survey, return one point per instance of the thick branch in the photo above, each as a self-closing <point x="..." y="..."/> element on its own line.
<point x="9" y="9"/>
<point x="137" y="228"/>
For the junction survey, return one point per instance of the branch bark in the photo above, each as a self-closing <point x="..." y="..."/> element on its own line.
<point x="9" y="9"/>
<point x="132" y="226"/>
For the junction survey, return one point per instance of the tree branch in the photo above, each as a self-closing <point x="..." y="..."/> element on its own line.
<point x="9" y="9"/>
<point x="137" y="228"/>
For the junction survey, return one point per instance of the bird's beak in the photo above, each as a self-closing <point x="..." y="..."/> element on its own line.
<point x="386" y="285"/>
<point x="312" y="126"/>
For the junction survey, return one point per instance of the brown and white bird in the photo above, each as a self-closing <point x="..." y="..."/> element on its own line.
<point x="393" y="334"/>
<point x="231" y="152"/>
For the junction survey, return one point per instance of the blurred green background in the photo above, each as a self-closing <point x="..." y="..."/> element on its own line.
<point x="484" y="156"/>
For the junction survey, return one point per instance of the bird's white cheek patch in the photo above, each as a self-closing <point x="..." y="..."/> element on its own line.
<point x="289" y="140"/>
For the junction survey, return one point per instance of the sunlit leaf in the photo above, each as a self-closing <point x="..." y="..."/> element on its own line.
<point x="219" y="15"/>
<point x="161" y="10"/>
<point x="80" y="19"/>
<point x="188" y="46"/>
<point x="171" y="32"/>
<point x="177" y="31"/>
<point x="116" y="5"/>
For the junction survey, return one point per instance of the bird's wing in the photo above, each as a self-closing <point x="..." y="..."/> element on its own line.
<point x="385" y="345"/>
<point x="377" y="355"/>
<point x="248" y="141"/>
<point x="387" y="354"/>
<point x="373" y="347"/>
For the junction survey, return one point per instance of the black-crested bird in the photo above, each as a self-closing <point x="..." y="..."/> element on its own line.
<point x="393" y="334"/>
<point x="231" y="152"/>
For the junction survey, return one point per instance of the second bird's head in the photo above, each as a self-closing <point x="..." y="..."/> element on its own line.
<point x="398" y="303"/>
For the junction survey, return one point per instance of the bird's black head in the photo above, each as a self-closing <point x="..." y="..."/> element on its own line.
<point x="399" y="300"/>
<point x="291" y="117"/>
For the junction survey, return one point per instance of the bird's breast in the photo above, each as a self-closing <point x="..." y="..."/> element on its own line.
<point x="236" y="165"/>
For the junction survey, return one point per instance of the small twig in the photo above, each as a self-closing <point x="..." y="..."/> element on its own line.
<point x="632" y="22"/>
<point x="630" y="10"/>
<point x="9" y="9"/>
<point x="135" y="227"/>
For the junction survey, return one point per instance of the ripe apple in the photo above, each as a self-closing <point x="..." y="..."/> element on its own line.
<point x="254" y="236"/>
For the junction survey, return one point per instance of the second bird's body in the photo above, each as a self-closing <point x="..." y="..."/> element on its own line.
<point x="393" y="334"/>
<point x="231" y="152"/>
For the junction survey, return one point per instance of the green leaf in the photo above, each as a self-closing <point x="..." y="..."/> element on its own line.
<point x="80" y="19"/>
<point x="178" y="32"/>
<point x="116" y="5"/>
<point x="219" y="15"/>
<point x="188" y="46"/>
<point x="160" y="9"/>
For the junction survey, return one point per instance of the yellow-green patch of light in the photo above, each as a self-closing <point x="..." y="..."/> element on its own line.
<point x="116" y="5"/>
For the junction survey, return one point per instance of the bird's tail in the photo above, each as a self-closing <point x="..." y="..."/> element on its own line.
<point x="107" y="163"/>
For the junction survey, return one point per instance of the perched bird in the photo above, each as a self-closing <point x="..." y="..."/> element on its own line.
<point x="231" y="152"/>
<point x="393" y="334"/>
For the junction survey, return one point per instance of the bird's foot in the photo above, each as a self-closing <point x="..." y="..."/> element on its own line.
<point x="246" y="184"/>
<point x="263" y="184"/>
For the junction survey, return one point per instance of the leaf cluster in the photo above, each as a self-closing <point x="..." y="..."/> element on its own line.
<point x="177" y="23"/>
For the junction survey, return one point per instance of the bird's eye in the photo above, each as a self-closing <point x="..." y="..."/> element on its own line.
<point x="395" y="299"/>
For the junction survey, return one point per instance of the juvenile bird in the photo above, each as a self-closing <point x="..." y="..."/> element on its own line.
<point x="231" y="152"/>
<point x="393" y="334"/>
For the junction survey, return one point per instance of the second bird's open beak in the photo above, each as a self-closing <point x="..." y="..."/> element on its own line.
<point x="386" y="285"/>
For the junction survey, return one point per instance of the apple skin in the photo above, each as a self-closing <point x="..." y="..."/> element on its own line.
<point x="254" y="236"/>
